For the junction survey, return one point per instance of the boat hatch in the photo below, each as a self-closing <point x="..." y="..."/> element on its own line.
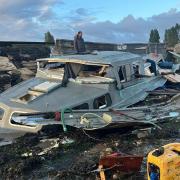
<point x="46" y="87"/>
<point x="37" y="91"/>
<point x="1" y="113"/>
<point x="30" y="96"/>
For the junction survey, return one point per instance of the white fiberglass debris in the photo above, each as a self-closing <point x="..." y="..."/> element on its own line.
<point x="5" y="142"/>
<point x="67" y="140"/>
<point x="173" y="114"/>
<point x="26" y="154"/>
<point x="50" y="144"/>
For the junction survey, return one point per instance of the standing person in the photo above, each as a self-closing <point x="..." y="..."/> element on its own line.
<point x="79" y="44"/>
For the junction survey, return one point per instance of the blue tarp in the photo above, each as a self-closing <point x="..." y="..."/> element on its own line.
<point x="165" y="65"/>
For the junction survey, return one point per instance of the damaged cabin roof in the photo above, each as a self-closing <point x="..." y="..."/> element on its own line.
<point x="102" y="57"/>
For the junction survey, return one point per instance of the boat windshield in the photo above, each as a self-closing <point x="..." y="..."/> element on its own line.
<point x="72" y="70"/>
<point x="51" y="65"/>
<point x="54" y="70"/>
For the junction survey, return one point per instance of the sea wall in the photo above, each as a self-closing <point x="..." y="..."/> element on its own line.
<point x="24" y="50"/>
<point x="64" y="46"/>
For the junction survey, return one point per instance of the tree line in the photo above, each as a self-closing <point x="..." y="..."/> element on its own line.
<point x="171" y="36"/>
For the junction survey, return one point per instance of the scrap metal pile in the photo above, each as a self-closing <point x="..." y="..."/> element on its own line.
<point x="11" y="74"/>
<point x="8" y="74"/>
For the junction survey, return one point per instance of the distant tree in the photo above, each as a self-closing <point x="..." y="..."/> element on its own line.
<point x="172" y="35"/>
<point x="178" y="30"/>
<point x="151" y="36"/>
<point x="166" y="35"/>
<point x="157" y="37"/>
<point x="154" y="36"/>
<point x="49" y="38"/>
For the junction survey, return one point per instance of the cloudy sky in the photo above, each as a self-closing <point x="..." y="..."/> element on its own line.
<point x="117" y="21"/>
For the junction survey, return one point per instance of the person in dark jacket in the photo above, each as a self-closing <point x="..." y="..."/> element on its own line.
<point x="79" y="44"/>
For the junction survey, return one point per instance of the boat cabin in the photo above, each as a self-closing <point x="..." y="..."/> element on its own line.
<point x="103" y="67"/>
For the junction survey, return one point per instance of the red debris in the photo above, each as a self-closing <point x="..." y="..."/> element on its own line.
<point x="57" y="116"/>
<point x="122" y="162"/>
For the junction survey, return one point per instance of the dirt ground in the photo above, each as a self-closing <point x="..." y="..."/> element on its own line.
<point x="53" y="154"/>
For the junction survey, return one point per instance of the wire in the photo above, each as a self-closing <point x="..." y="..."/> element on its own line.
<point x="91" y="136"/>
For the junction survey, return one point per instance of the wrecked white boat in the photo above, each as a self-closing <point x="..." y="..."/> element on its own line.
<point x="108" y="79"/>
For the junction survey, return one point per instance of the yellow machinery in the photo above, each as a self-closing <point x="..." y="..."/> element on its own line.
<point x="164" y="163"/>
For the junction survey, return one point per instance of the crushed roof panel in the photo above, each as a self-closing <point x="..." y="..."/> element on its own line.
<point x="102" y="57"/>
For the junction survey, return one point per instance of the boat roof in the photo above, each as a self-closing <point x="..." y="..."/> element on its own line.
<point x="98" y="58"/>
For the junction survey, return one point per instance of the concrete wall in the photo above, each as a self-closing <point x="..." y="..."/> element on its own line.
<point x="66" y="46"/>
<point x="34" y="50"/>
<point x="24" y="50"/>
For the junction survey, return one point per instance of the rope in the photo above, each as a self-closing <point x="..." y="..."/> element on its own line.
<point x="95" y="115"/>
<point x="91" y="136"/>
<point x="62" y="118"/>
<point x="136" y="120"/>
<point x="120" y="113"/>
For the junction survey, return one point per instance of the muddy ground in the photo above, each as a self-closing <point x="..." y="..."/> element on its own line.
<point x="53" y="154"/>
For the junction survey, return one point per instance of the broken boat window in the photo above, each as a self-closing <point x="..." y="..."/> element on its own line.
<point x="91" y="68"/>
<point x="136" y="70"/>
<point x="102" y="102"/>
<point x="50" y="65"/>
<point x="122" y="73"/>
<point x="54" y="65"/>
<point x="82" y="106"/>
<point x="1" y="113"/>
<point x="42" y="64"/>
<point x="88" y="70"/>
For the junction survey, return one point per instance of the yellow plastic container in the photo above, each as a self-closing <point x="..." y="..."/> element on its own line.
<point x="165" y="162"/>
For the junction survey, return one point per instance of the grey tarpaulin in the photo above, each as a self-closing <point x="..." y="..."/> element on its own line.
<point x="71" y="70"/>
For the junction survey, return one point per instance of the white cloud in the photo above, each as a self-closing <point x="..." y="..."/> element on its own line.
<point x="29" y="20"/>
<point x="26" y="20"/>
<point x="129" y="29"/>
